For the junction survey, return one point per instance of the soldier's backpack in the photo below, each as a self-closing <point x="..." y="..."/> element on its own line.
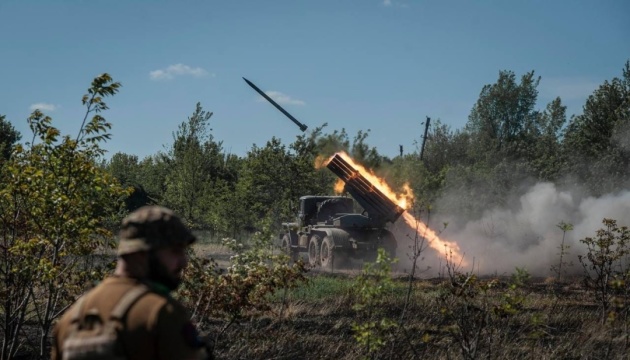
<point x="93" y="336"/>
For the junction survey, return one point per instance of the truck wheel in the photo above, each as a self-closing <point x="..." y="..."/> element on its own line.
<point x="285" y="246"/>
<point x="330" y="257"/>
<point x="326" y="253"/>
<point x="389" y="244"/>
<point x="313" y="251"/>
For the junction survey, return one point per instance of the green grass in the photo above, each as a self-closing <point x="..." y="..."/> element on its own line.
<point x="322" y="287"/>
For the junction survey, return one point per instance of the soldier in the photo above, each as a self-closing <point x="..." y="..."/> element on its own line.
<point x="131" y="315"/>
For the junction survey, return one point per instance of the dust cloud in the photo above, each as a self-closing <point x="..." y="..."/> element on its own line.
<point x="525" y="235"/>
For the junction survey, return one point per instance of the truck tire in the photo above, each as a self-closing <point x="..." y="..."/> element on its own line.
<point x="389" y="244"/>
<point x="331" y="258"/>
<point x="285" y="246"/>
<point x="313" y="251"/>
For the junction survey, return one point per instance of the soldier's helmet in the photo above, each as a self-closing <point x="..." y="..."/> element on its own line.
<point x="152" y="227"/>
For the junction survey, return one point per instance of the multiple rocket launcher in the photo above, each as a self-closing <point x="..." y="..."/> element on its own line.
<point x="380" y="208"/>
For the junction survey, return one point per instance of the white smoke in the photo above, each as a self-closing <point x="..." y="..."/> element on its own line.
<point x="527" y="234"/>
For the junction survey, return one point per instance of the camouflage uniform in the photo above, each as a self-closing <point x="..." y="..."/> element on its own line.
<point x="156" y="326"/>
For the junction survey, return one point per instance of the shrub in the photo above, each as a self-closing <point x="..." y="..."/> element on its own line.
<point x="605" y="264"/>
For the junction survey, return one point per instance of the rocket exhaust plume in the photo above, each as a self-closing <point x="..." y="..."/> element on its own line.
<point x="356" y="179"/>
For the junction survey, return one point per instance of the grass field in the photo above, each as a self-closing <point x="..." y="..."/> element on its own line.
<point x="465" y="317"/>
<point x="544" y="321"/>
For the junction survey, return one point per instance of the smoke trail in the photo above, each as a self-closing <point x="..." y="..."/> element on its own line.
<point x="527" y="235"/>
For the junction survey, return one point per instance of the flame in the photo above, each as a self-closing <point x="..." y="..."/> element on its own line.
<point x="404" y="200"/>
<point x="321" y="161"/>
<point x="447" y="248"/>
<point x="339" y="186"/>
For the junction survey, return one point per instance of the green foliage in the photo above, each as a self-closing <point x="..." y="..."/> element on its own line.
<point x="372" y="286"/>
<point x="264" y="184"/>
<point x="272" y="178"/>
<point x="194" y="177"/>
<point x="475" y="312"/>
<point x="307" y="178"/>
<point x="506" y="144"/>
<point x="407" y="169"/>
<point x="363" y="153"/>
<point x="445" y="147"/>
<point x="596" y="142"/>
<point x="328" y="144"/>
<point x="322" y="288"/>
<point x="605" y="263"/>
<point x="8" y="137"/>
<point x="500" y="119"/>
<point x="545" y="157"/>
<point x="152" y="173"/>
<point x="188" y="183"/>
<point x="506" y="141"/>
<point x="561" y="268"/>
<point x="55" y="207"/>
<point x="245" y="288"/>
<point x="126" y="169"/>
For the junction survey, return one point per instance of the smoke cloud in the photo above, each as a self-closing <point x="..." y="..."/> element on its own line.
<point x="525" y="235"/>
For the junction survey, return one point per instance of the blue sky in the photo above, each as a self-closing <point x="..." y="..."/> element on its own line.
<point x="358" y="65"/>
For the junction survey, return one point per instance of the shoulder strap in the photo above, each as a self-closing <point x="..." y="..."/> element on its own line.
<point x="78" y="309"/>
<point x="127" y="300"/>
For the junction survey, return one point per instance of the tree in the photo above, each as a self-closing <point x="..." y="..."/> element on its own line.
<point x="329" y="144"/>
<point x="8" y="137"/>
<point x="546" y="158"/>
<point x="509" y="143"/>
<point x="126" y="169"/>
<point x="264" y="185"/>
<point x="363" y="153"/>
<point x="605" y="266"/>
<point x="189" y="178"/>
<point x="308" y="152"/>
<point x="499" y="119"/>
<point x="152" y="172"/>
<point x="596" y="142"/>
<point x="226" y="213"/>
<point x="55" y="207"/>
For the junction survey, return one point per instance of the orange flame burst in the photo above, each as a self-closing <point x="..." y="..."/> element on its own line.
<point x="321" y="161"/>
<point x="447" y="248"/>
<point x="404" y="200"/>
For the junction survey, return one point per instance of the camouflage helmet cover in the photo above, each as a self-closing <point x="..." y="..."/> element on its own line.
<point x="152" y="227"/>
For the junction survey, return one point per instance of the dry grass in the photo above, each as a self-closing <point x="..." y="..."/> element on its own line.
<point x="316" y="323"/>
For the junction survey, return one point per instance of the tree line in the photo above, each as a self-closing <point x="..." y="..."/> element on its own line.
<point x="508" y="141"/>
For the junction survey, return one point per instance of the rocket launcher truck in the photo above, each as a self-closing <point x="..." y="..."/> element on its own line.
<point x="330" y="232"/>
